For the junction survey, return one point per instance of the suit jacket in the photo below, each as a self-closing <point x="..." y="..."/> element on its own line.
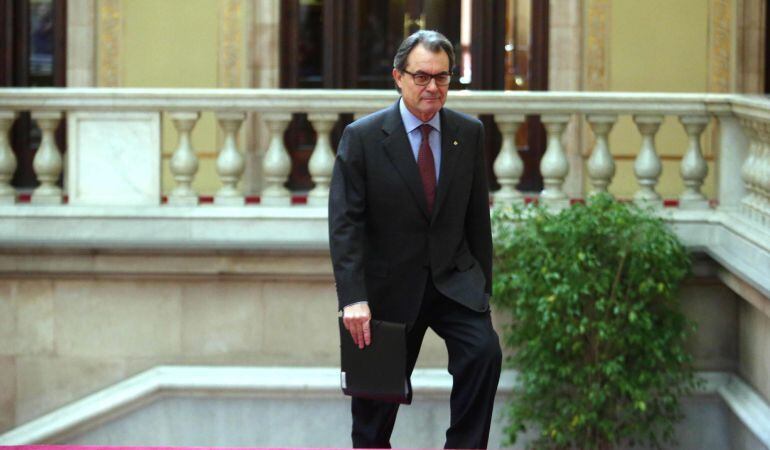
<point x="383" y="242"/>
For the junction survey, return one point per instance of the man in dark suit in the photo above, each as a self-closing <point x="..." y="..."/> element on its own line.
<point x="410" y="239"/>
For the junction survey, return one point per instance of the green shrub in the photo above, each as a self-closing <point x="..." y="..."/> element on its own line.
<point x="596" y="329"/>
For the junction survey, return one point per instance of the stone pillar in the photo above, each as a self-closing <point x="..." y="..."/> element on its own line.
<point x="184" y="162"/>
<point x="276" y="164"/>
<point x="321" y="161"/>
<point x="7" y="159"/>
<point x="230" y="162"/>
<point x="733" y="149"/>
<point x="508" y="166"/>
<point x="601" y="166"/>
<point x="748" y="170"/>
<point x="48" y="161"/>
<point x="693" y="166"/>
<point x="554" y="165"/>
<point x="647" y="166"/>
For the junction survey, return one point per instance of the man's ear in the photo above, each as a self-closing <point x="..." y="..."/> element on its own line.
<point x="397" y="77"/>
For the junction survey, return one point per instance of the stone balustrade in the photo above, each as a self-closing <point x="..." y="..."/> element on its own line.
<point x="114" y="158"/>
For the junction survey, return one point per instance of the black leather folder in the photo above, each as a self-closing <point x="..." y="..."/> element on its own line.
<point x="378" y="371"/>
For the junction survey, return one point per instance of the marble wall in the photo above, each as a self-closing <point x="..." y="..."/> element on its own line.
<point x="65" y="334"/>
<point x="86" y="320"/>
<point x="754" y="347"/>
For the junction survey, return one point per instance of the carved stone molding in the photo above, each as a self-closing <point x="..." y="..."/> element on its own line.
<point x="720" y="45"/>
<point x="597" y="44"/>
<point x="110" y="29"/>
<point x="231" y="33"/>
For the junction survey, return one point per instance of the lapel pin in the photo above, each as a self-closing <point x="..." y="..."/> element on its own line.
<point x="455" y="143"/>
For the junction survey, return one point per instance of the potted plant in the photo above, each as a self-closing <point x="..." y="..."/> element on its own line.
<point x="596" y="331"/>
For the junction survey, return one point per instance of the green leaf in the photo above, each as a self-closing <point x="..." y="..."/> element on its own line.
<point x="594" y="326"/>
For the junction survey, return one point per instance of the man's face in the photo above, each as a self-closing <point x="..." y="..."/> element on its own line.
<point x="423" y="101"/>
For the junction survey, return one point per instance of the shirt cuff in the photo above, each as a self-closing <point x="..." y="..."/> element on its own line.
<point x="360" y="302"/>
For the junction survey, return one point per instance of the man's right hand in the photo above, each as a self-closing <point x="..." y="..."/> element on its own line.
<point x="356" y="320"/>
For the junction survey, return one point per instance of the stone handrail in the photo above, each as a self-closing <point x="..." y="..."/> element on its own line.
<point x="113" y="155"/>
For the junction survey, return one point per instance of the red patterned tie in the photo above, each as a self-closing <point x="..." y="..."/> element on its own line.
<point x="427" y="167"/>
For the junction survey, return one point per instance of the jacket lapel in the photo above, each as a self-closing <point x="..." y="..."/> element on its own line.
<point x="451" y="146"/>
<point x="399" y="151"/>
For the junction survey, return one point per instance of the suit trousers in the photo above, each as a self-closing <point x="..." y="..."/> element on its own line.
<point x="475" y="361"/>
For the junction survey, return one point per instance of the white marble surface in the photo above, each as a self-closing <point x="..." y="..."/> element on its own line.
<point x="113" y="158"/>
<point x="302" y="406"/>
<point x="350" y="100"/>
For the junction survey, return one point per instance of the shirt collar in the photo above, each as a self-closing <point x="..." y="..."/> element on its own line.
<point x="411" y="122"/>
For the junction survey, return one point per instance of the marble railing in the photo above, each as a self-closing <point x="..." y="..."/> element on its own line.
<point x="114" y="156"/>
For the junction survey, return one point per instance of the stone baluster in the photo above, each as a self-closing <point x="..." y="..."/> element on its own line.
<point x="48" y="160"/>
<point x="276" y="164"/>
<point x="184" y="162"/>
<point x="230" y="162"/>
<point x="763" y="174"/>
<point x="693" y="166"/>
<point x="647" y="166"/>
<point x="7" y="159"/>
<point x="749" y="204"/>
<point x="601" y="166"/>
<point x="322" y="160"/>
<point x="508" y="166"/>
<point x="554" y="165"/>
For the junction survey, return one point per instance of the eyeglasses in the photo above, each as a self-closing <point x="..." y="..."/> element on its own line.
<point x="423" y="79"/>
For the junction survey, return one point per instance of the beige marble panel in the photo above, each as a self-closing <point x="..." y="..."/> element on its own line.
<point x="433" y="352"/>
<point x="44" y="384"/>
<point x="267" y="11"/>
<point x="316" y="265"/>
<point x="265" y="51"/>
<point x="714" y="308"/>
<point x="7" y="393"/>
<point x="35" y="316"/>
<point x="301" y="321"/>
<point x="750" y="46"/>
<point x="224" y="317"/>
<point x="755" y="348"/>
<point x="108" y="318"/>
<point x="7" y="318"/>
<point x="81" y="45"/>
<point x="267" y="78"/>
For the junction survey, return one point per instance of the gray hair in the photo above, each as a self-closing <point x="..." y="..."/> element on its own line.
<point x="432" y="40"/>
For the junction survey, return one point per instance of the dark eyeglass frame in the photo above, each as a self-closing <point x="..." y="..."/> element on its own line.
<point x="442" y="78"/>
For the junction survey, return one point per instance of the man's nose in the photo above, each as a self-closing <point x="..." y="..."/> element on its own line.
<point x="432" y="85"/>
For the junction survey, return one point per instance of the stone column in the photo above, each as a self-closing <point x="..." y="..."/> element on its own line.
<point x="230" y="162"/>
<point x="601" y="166"/>
<point x="508" y="166"/>
<point x="693" y="166"/>
<point x="733" y="148"/>
<point x="554" y="165"/>
<point x="322" y="160"/>
<point x="184" y="162"/>
<point x="48" y="161"/>
<point x="7" y="159"/>
<point x="647" y="166"/>
<point x="276" y="164"/>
